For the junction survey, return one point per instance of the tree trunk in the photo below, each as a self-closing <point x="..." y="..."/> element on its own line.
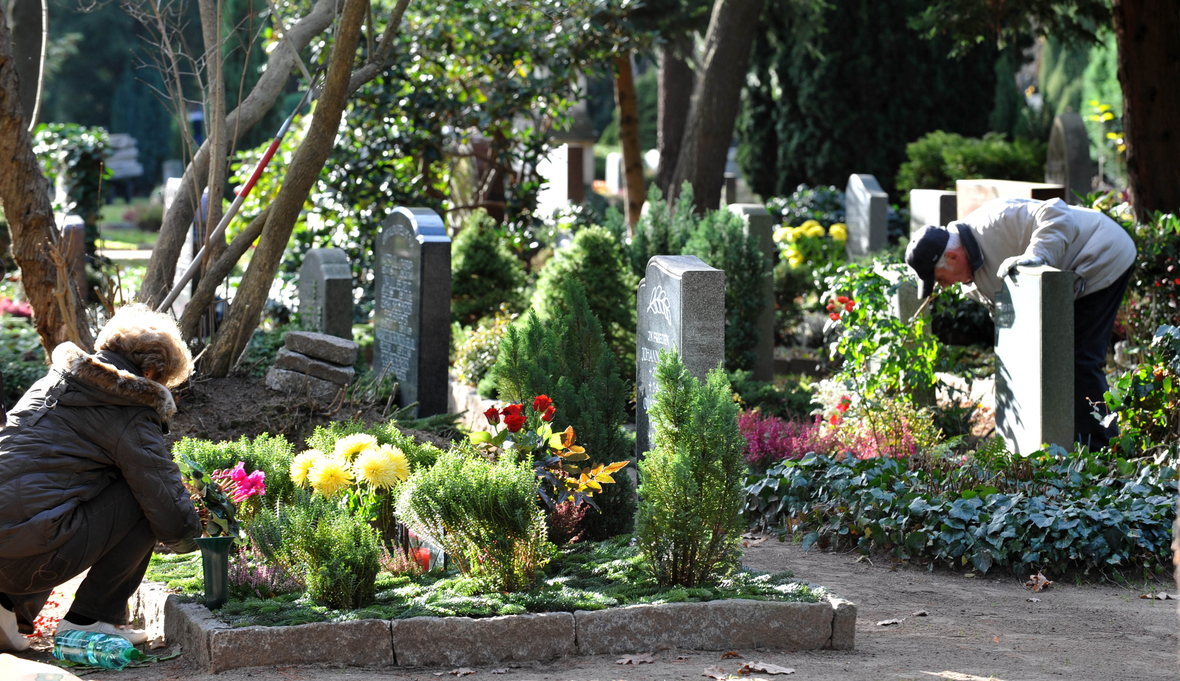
<point x="304" y="170"/>
<point x="628" y="105"/>
<point x="1148" y="35"/>
<point x="162" y="267"/>
<point x="26" y="48"/>
<point x="716" y="98"/>
<point x="675" y="96"/>
<point x="58" y="314"/>
<point x="215" y="120"/>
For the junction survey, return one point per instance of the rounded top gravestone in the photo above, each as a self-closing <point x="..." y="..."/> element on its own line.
<point x="1068" y="161"/>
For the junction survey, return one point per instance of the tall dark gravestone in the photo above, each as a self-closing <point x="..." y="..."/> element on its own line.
<point x="412" y="311"/>
<point x="681" y="308"/>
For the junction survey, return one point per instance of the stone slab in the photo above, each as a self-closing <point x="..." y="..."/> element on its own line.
<point x="339" y="351"/>
<point x="843" y="625"/>
<point x="971" y="194"/>
<point x="464" y="399"/>
<point x="932" y="207"/>
<point x="716" y="625"/>
<point x="1067" y="161"/>
<point x="866" y="212"/>
<point x="464" y="641"/>
<point x="760" y="224"/>
<point x="325" y="292"/>
<point x="300" y="363"/>
<point x="291" y="382"/>
<point x="360" y="643"/>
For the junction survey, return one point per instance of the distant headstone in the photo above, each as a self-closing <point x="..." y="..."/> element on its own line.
<point x="325" y="292"/>
<point x="412" y="311"/>
<point x="730" y="189"/>
<point x="866" y="212"/>
<point x="123" y="159"/>
<point x="972" y="194"/>
<point x="614" y="173"/>
<point x="681" y="308"/>
<point x="73" y="237"/>
<point x="1035" y="359"/>
<point x="1068" y="162"/>
<point x="761" y="225"/>
<point x="932" y="207"/>
<point x="555" y="170"/>
<point x="172" y="168"/>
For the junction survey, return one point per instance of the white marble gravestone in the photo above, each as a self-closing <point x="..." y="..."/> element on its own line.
<point x="1035" y="359"/>
<point x="681" y="308"/>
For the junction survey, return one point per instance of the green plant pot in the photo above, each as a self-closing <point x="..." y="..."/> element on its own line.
<point x="215" y="564"/>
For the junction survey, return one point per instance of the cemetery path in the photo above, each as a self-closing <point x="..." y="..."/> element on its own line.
<point x="976" y="629"/>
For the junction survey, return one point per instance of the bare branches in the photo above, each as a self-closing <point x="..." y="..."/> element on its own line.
<point x="376" y="62"/>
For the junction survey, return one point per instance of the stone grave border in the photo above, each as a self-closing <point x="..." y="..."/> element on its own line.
<point x="463" y="641"/>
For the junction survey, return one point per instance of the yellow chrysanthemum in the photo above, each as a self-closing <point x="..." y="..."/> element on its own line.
<point x="809" y="223"/>
<point x="303" y="463"/>
<point x="329" y="475"/>
<point x="795" y="261"/>
<point x="348" y="447"/>
<point x="382" y="467"/>
<point x="816" y="230"/>
<point x="783" y="233"/>
<point x="839" y="231"/>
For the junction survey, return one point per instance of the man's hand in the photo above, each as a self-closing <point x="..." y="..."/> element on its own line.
<point x="1018" y="261"/>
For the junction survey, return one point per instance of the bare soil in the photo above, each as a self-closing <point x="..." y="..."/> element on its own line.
<point x="975" y="629"/>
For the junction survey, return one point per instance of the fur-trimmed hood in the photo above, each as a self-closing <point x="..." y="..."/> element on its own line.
<point x="101" y="371"/>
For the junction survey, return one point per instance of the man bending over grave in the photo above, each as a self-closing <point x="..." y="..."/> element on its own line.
<point x="981" y="249"/>
<point x="87" y="481"/>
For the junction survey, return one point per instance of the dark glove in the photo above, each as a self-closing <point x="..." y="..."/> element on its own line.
<point x="1015" y="261"/>
<point x="182" y="546"/>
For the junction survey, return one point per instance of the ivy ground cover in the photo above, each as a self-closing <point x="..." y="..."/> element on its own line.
<point x="1054" y="510"/>
<point x="590" y="576"/>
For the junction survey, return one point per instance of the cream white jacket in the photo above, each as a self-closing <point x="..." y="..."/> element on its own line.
<point x="1086" y="242"/>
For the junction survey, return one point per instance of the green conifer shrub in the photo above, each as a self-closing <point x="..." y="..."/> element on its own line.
<point x="484" y="514"/>
<point x="484" y="272"/>
<point x="269" y="453"/>
<point x="594" y="259"/>
<point x="938" y="159"/>
<point x="719" y="239"/>
<point x="335" y="554"/>
<point x="568" y="360"/>
<point x="690" y="484"/>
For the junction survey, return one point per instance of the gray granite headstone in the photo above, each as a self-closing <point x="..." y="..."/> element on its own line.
<point x="681" y="307"/>
<point x="866" y="212"/>
<point x="412" y="311"/>
<point x="1034" y="359"/>
<point x="761" y="225"/>
<point x="325" y="292"/>
<point x="1068" y="161"/>
<point x="932" y="207"/>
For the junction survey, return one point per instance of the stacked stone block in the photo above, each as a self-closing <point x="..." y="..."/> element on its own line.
<point x="313" y="364"/>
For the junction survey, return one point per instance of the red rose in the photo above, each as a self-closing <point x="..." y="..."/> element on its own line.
<point x="492" y="415"/>
<point x="835" y="316"/>
<point x="513" y="422"/>
<point x="845" y="403"/>
<point x="548" y="415"/>
<point x="849" y="305"/>
<point x="835" y="419"/>
<point x="541" y="403"/>
<point x="842" y="299"/>
<point x="511" y="410"/>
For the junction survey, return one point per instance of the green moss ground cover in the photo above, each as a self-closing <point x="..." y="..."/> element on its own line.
<point x="584" y="577"/>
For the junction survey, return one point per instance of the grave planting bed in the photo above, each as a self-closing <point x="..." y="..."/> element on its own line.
<point x="447" y="641"/>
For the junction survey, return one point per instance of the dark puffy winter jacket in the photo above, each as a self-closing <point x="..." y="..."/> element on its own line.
<point x="91" y="421"/>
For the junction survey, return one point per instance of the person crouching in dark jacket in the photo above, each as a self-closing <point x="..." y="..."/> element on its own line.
<point x="87" y="481"/>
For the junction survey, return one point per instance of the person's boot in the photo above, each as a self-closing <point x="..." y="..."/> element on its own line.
<point x="11" y="639"/>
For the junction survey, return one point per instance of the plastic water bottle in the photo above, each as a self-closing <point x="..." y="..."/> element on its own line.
<point x="95" y="649"/>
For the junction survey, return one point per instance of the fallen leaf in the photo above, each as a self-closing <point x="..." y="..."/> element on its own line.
<point x="969" y="575"/>
<point x="1038" y="582"/>
<point x="920" y="613"/>
<point x="886" y="623"/>
<point x="750" y="667"/>
<point x="637" y="659"/>
<point x="156" y="642"/>
<point x="715" y="673"/>
<point x="732" y="653"/>
<point x="995" y="639"/>
<point x="499" y="671"/>
<point x="1161" y="596"/>
<point x="462" y="671"/>
<point x="1033" y="600"/>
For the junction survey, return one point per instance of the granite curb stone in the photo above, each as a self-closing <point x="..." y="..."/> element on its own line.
<point x="843" y="625"/>
<point x="358" y="643"/>
<point x="300" y="363"/>
<point x="445" y="641"/>
<point x="322" y="346"/>
<point x="715" y="625"/>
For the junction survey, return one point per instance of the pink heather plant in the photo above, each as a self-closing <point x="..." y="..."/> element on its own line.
<point x="770" y="439"/>
<point x="250" y="576"/>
